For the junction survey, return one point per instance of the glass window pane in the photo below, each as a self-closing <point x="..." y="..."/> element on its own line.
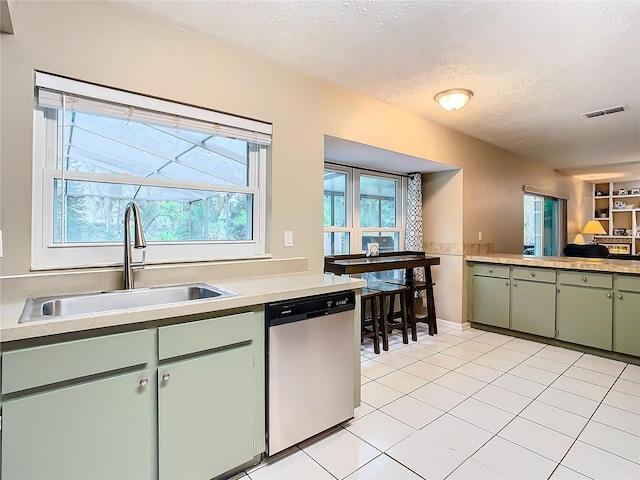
<point x="94" y="213"/>
<point x="217" y="168"/>
<point x="335" y="209"/>
<point x="387" y="241"/>
<point x="336" y="243"/>
<point x="551" y="225"/>
<point x="377" y="202"/>
<point x="100" y="144"/>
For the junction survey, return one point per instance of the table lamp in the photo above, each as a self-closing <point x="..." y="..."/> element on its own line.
<point x="593" y="227"/>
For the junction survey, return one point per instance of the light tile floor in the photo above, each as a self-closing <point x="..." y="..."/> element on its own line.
<point x="477" y="405"/>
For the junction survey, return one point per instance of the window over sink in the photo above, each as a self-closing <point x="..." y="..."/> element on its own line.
<point x="199" y="177"/>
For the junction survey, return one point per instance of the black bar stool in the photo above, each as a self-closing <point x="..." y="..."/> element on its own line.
<point x="390" y="292"/>
<point x="369" y="325"/>
<point x="419" y="286"/>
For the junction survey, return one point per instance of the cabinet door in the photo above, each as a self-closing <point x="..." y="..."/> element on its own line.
<point x="98" y="429"/>
<point x="491" y="301"/>
<point x="626" y="323"/>
<point x="533" y="308"/>
<point x="585" y="316"/>
<point x="206" y="414"/>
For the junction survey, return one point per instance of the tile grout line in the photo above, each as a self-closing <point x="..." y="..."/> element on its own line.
<point x="547" y="386"/>
<point x="470" y="396"/>
<point x="590" y="419"/>
<point x="517" y="415"/>
<point x="585" y="426"/>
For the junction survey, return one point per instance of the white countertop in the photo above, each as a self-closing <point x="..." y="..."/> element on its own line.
<point x="568" y="263"/>
<point x="251" y="291"/>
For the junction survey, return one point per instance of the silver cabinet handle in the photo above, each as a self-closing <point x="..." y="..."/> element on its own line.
<point x="490" y="270"/>
<point x="620" y="296"/>
<point x="608" y="295"/>
<point x="166" y="377"/>
<point x="515" y="284"/>
<point x="533" y="274"/>
<point x="506" y="283"/>
<point x="143" y="382"/>
<point x="584" y="279"/>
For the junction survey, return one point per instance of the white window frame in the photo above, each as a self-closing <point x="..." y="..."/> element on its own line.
<point x="348" y="202"/>
<point x="352" y="204"/>
<point x="45" y="254"/>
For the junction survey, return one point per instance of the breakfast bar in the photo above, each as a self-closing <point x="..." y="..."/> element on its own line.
<point x="360" y="263"/>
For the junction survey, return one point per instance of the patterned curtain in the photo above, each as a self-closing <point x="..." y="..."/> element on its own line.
<point x="413" y="235"/>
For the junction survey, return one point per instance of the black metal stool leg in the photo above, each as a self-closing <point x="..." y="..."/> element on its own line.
<point x="385" y="325"/>
<point x="411" y="311"/>
<point x="403" y="310"/>
<point x="376" y="329"/>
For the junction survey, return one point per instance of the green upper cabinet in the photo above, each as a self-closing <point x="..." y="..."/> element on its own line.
<point x="491" y="300"/>
<point x="585" y="314"/>
<point x="626" y="315"/>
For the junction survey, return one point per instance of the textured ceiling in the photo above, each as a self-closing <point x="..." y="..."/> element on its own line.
<point x="534" y="67"/>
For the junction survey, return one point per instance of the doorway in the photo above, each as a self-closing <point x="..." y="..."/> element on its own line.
<point x="544" y="225"/>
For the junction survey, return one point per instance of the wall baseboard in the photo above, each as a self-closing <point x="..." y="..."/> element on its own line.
<point x="454" y="325"/>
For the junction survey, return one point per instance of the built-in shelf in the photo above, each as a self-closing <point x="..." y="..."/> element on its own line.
<point x="605" y="195"/>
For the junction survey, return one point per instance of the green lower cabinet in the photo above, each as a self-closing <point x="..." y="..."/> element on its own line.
<point x="585" y="316"/>
<point x="98" y="429"/>
<point x="626" y="323"/>
<point x="110" y="407"/>
<point x="206" y="414"/>
<point x="533" y="308"/>
<point x="491" y="301"/>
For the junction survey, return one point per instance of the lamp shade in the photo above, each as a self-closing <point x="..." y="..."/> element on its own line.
<point x="593" y="227"/>
<point x="453" y="99"/>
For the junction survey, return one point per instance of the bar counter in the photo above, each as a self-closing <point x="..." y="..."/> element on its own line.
<point x="564" y="263"/>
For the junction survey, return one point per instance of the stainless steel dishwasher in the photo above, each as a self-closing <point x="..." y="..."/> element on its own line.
<point x="310" y="381"/>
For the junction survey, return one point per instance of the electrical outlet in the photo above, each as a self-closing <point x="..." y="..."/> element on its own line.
<point x="480" y="236"/>
<point x="288" y="238"/>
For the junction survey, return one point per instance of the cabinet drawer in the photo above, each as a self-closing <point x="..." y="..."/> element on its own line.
<point x="602" y="280"/>
<point x="202" y="335"/>
<point x="628" y="283"/>
<point x="534" y="274"/>
<point x="489" y="270"/>
<point x="38" y="366"/>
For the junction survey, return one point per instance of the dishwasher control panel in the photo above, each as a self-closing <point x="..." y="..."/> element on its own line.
<point x="309" y="307"/>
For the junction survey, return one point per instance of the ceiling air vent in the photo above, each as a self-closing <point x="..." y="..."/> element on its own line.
<point x="605" y="111"/>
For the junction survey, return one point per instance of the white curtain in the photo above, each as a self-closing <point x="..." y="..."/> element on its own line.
<point x="413" y="235"/>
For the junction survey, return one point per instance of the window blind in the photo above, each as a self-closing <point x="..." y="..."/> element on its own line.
<point x="53" y="92"/>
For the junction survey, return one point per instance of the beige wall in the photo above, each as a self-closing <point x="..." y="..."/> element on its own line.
<point x="493" y="200"/>
<point x="442" y="194"/>
<point x="101" y="43"/>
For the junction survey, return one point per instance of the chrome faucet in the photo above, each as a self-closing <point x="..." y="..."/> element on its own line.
<point x="139" y="242"/>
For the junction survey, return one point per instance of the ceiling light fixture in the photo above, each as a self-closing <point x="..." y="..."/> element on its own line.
<point x="453" y="99"/>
